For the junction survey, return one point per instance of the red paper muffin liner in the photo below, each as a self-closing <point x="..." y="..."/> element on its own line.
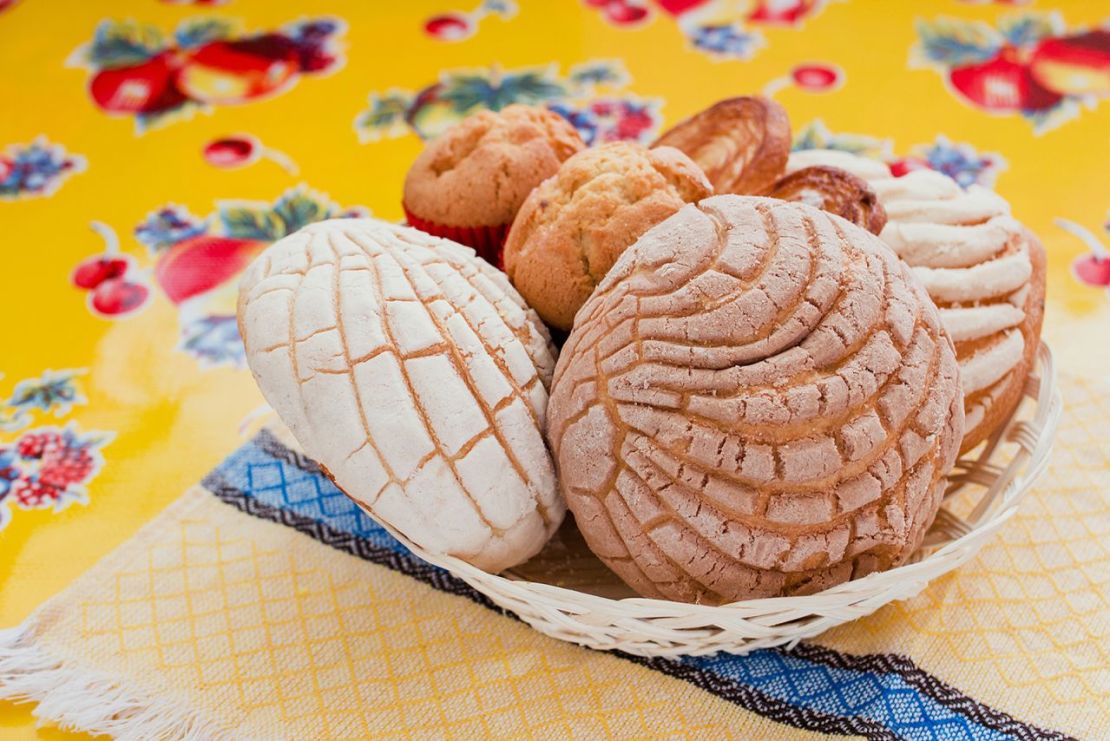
<point x="487" y="241"/>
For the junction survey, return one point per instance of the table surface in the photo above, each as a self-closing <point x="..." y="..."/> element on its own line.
<point x="141" y="381"/>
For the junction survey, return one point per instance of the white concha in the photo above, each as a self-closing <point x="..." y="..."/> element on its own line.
<point x="416" y="376"/>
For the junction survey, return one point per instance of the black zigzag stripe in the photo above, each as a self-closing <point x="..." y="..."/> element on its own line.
<point x="734" y="692"/>
<point x="929" y="685"/>
<point x="268" y="443"/>
<point x="743" y="695"/>
<point x="344" y="541"/>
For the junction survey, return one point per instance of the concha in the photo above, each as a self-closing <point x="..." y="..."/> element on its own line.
<point x="757" y="400"/>
<point x="416" y="376"/>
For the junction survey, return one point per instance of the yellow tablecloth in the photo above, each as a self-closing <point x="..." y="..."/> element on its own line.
<point x="149" y="149"/>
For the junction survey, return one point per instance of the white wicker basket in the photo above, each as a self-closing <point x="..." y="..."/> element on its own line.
<point x="568" y="594"/>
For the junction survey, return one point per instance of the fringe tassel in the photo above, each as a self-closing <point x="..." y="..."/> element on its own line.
<point x="82" y="699"/>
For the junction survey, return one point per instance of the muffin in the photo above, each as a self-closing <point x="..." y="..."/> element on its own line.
<point x="469" y="182"/>
<point x="983" y="269"/>
<point x="758" y="400"/>
<point x="575" y="225"/>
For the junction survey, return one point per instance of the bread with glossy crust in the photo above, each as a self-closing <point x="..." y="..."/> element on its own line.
<point x="742" y="143"/>
<point x="414" y="374"/>
<point x="575" y="225"/>
<point x="983" y="269"/>
<point x="758" y="400"/>
<point x="478" y="172"/>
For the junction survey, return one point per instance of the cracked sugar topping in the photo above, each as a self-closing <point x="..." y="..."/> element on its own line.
<point x="757" y="400"/>
<point x="416" y="376"/>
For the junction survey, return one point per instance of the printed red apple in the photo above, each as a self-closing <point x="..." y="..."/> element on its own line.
<point x="1074" y="65"/>
<point x="6" y="167"/>
<point x="226" y="72"/>
<point x="149" y="87"/>
<point x="1003" y="84"/>
<point x="92" y="272"/>
<point x="199" y="264"/>
<point x="117" y="296"/>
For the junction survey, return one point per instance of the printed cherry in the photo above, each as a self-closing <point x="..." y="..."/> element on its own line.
<point x="92" y="272"/>
<point x="1003" y="84"/>
<point x="242" y="150"/>
<point x="149" y="87"/>
<point x="449" y="27"/>
<point x="1092" y="269"/>
<point x="816" y="78"/>
<point x="625" y="13"/>
<point x="901" y="167"/>
<point x="232" y="151"/>
<point x="118" y="296"/>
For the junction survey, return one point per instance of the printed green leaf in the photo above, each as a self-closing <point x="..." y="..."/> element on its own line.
<point x="197" y="31"/>
<point x="1029" y="28"/>
<point x="299" y="208"/>
<point x="123" y="43"/>
<point x="252" y="222"/>
<point x="951" y="42"/>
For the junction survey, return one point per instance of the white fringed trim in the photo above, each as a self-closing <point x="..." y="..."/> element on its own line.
<point x="92" y="701"/>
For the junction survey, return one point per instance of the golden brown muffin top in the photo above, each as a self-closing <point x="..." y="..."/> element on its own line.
<point x="479" y="172"/>
<point x="576" y="224"/>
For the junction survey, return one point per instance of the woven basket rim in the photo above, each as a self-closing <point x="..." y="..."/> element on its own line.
<point x="650" y="626"/>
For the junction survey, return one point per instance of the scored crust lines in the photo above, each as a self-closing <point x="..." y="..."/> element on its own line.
<point x="444" y="369"/>
<point x="713" y="494"/>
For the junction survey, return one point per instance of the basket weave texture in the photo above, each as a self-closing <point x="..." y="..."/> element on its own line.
<point x="566" y="593"/>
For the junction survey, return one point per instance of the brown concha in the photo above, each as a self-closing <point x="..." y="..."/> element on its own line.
<point x="742" y="144"/>
<point x="757" y="400"/>
<point x="836" y="191"/>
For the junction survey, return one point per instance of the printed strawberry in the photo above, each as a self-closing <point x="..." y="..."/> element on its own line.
<point x="148" y="87"/>
<point x="34" y="444"/>
<point x="1074" y="65"/>
<point x="200" y="263"/>
<point x="32" y="493"/>
<point x="226" y="72"/>
<point x="1003" y="84"/>
<point x="117" y="296"/>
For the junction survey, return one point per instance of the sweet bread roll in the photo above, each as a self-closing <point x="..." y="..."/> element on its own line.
<point x="758" y="400"/>
<point x="414" y="374"/>
<point x="742" y="144"/>
<point x="575" y="225"/>
<point x="983" y="269"/>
